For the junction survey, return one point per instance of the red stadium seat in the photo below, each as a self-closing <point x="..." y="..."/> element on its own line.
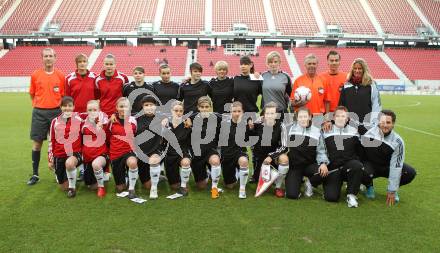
<point x="417" y="64"/>
<point x="74" y="16"/>
<point x="184" y="17"/>
<point x="126" y="15"/>
<point x="431" y="9"/>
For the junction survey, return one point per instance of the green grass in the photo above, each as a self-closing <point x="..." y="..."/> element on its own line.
<point x="42" y="219"/>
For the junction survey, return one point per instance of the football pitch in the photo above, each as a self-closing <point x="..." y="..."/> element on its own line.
<point x="42" y="219"/>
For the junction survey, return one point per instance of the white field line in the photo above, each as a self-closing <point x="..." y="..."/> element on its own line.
<point x="419" y="131"/>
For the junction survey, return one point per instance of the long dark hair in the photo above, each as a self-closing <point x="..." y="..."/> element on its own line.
<point x="247" y="60"/>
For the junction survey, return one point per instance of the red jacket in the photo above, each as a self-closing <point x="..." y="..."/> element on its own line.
<point x="65" y="136"/>
<point x="81" y="89"/>
<point x="120" y="140"/>
<point x="110" y="90"/>
<point x="94" y="138"/>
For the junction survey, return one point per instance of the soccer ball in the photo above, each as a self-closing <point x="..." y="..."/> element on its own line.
<point x="303" y="94"/>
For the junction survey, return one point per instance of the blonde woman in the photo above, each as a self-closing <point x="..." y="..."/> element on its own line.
<point x="361" y="96"/>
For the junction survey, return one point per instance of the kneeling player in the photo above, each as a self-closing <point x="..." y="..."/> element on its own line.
<point x="343" y="147"/>
<point x="94" y="148"/>
<point x="172" y="159"/>
<point x="121" y="138"/>
<point x="65" y="154"/>
<point x="270" y="149"/>
<point x="384" y="153"/>
<point x="150" y="144"/>
<point x="233" y="155"/>
<point x="307" y="155"/>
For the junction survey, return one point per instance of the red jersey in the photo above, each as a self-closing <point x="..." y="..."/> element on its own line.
<point x="110" y="90"/>
<point x="121" y="140"/>
<point x="94" y="138"/>
<point x="81" y="89"/>
<point x="65" y="136"/>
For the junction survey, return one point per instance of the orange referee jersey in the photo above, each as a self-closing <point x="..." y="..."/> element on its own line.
<point x="46" y="89"/>
<point x="333" y="84"/>
<point x="316" y="85"/>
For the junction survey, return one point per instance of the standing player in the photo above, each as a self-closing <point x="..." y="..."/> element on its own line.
<point x="246" y="90"/>
<point x="94" y="149"/>
<point x="221" y="88"/>
<point x="333" y="81"/>
<point x="385" y="156"/>
<point x="343" y="148"/>
<point x="136" y="85"/>
<point x="165" y="89"/>
<point x="307" y="155"/>
<point x="270" y="148"/>
<point x="65" y="147"/>
<point x="277" y="85"/>
<point x="314" y="82"/>
<point x="120" y="137"/>
<point x="149" y="148"/>
<point x="109" y="84"/>
<point x="46" y="91"/>
<point x="195" y="88"/>
<point x="361" y="96"/>
<point x="234" y="156"/>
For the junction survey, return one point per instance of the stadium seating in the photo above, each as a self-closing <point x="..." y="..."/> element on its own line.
<point x="150" y="57"/>
<point x="73" y="16"/>
<point x="205" y="58"/>
<point x="23" y="60"/>
<point x="184" y="17"/>
<point x="348" y="14"/>
<point x="294" y="17"/>
<point x="4" y="6"/>
<point x="228" y="12"/>
<point x="126" y="15"/>
<point x="431" y="9"/>
<point x="28" y="17"/>
<point x="378" y="68"/>
<point x="396" y="16"/>
<point x="417" y="64"/>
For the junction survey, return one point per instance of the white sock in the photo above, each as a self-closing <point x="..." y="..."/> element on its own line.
<point x="99" y="174"/>
<point x="81" y="168"/>
<point x="243" y="174"/>
<point x="154" y="175"/>
<point x="215" y="175"/>
<point x="184" y="176"/>
<point x="71" y="177"/>
<point x="132" y="178"/>
<point x="282" y="169"/>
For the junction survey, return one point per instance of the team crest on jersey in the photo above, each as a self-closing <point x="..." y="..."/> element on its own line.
<point x="341" y="87"/>
<point x="321" y="90"/>
<point x="56" y="88"/>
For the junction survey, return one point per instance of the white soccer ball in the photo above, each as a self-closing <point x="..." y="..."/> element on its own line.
<point x="303" y="94"/>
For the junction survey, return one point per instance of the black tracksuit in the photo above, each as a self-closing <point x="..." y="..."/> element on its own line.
<point x="247" y="91"/>
<point x="136" y="104"/>
<point x="166" y="91"/>
<point x="221" y="93"/>
<point x="190" y="93"/>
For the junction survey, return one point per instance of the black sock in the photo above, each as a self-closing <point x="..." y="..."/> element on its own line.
<point x="35" y="161"/>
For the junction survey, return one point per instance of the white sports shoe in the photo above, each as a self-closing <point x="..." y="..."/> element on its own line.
<point x="352" y="200"/>
<point x="242" y="193"/>
<point x="308" y="188"/>
<point x="153" y="193"/>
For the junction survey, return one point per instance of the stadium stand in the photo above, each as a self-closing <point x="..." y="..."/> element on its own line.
<point x="183" y="17"/>
<point x="417" y="64"/>
<point x="396" y="17"/>
<point x="28" y="17"/>
<point x="294" y="17"/>
<point x="150" y="57"/>
<point x="228" y="12"/>
<point x="348" y="14"/>
<point x="126" y="15"/>
<point x="4" y="6"/>
<point x="378" y="68"/>
<point x="431" y="9"/>
<point x="74" y="16"/>
<point x="23" y="60"/>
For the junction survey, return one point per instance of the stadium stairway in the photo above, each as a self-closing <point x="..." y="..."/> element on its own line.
<point x="103" y="14"/>
<point x="9" y="13"/>
<point x="3" y="52"/>
<point x="50" y="14"/>
<point x="421" y="16"/>
<point x="208" y="16"/>
<point x="159" y="15"/>
<point x="93" y="57"/>
<point x="293" y="64"/>
<point x="189" y="60"/>
<point x="399" y="73"/>
<point x="269" y="16"/>
<point x="371" y="16"/>
<point x="318" y="16"/>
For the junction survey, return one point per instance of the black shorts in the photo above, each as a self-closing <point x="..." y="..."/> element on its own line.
<point x="40" y="124"/>
<point x="119" y="168"/>
<point x="144" y="168"/>
<point x="60" y="166"/>
<point x="230" y="166"/>
<point x="199" y="164"/>
<point x="172" y="165"/>
<point x="89" y="174"/>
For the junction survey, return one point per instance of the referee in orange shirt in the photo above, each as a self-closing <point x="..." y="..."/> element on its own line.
<point x="46" y="91"/>
<point x="334" y="80"/>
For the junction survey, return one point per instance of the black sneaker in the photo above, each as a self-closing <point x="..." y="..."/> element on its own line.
<point x="182" y="191"/>
<point x="132" y="195"/>
<point x="33" y="180"/>
<point x="71" y="193"/>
